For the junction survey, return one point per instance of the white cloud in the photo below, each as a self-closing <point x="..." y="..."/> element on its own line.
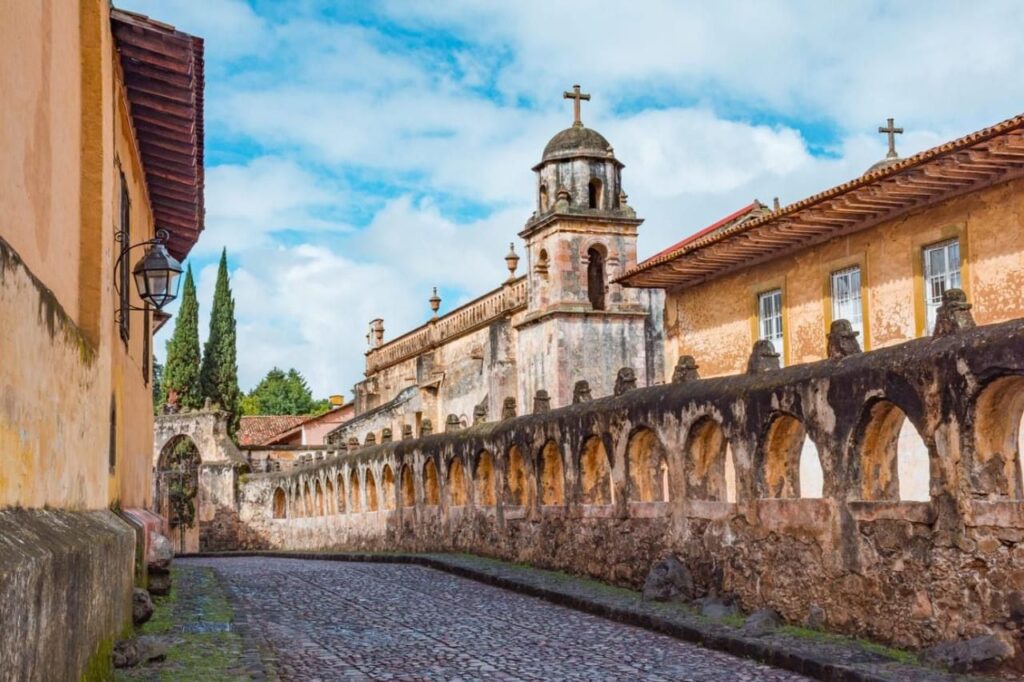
<point x="363" y="144"/>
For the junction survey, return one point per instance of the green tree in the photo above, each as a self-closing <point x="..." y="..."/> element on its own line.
<point x="158" y="387"/>
<point x="282" y="392"/>
<point x="218" y="376"/>
<point x="180" y="379"/>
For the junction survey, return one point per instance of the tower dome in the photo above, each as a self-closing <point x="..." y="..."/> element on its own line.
<point x="578" y="170"/>
<point x="577" y="140"/>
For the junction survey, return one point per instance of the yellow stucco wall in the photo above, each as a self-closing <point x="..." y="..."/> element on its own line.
<point x="40" y="135"/>
<point x="715" y="321"/>
<point x="64" y="123"/>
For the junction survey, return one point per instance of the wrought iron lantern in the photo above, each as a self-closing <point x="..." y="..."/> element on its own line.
<point x="157" y="274"/>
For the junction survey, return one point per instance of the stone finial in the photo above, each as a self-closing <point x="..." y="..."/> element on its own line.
<point x="562" y="200"/>
<point x="406" y="431"/>
<point x="541" y="401"/>
<point x="376" y="335"/>
<point x="954" y="315"/>
<point x="763" y="357"/>
<point x="842" y="340"/>
<point x="686" y="370"/>
<point x="508" y="408"/>
<point x="435" y="302"/>
<point x="480" y="413"/>
<point x="452" y="423"/>
<point x="353" y="444"/>
<point x="512" y="261"/>
<point x="319" y="456"/>
<point x="625" y="380"/>
<point x="371" y="439"/>
<point x="426" y="428"/>
<point x="581" y="392"/>
<point x="385" y="435"/>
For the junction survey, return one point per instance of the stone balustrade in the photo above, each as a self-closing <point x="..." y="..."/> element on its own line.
<point x="494" y="304"/>
<point x="709" y="469"/>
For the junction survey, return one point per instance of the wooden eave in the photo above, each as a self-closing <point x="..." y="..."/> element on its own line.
<point x="164" y="80"/>
<point x="970" y="163"/>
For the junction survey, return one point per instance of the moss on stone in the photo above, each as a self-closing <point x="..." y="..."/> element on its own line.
<point x="196" y="616"/>
<point x="100" y="666"/>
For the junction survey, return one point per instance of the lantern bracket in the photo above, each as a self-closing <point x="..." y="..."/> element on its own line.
<point x="161" y="237"/>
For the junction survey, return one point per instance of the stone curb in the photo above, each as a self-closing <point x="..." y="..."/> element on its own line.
<point x="763" y="652"/>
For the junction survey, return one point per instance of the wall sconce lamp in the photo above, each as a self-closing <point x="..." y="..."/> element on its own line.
<point x="157" y="274"/>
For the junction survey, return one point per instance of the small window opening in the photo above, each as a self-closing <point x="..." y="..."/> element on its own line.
<point x="595" y="278"/>
<point x="543" y="198"/>
<point x="595" y="193"/>
<point x="112" y="454"/>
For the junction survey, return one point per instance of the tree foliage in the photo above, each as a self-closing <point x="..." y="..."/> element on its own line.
<point x="180" y="379"/>
<point x="158" y="387"/>
<point x="282" y="392"/>
<point x="218" y="376"/>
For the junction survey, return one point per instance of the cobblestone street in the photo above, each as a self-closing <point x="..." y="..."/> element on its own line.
<point x="335" y="620"/>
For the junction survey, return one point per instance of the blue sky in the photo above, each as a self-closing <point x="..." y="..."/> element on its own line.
<point x="360" y="153"/>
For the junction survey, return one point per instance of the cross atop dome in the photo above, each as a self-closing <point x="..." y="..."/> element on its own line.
<point x="891" y="131"/>
<point x="576" y="96"/>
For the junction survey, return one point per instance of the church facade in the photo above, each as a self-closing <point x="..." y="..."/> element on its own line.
<point x="561" y="332"/>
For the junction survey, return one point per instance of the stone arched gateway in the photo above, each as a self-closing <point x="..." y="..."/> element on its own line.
<point x="195" y="470"/>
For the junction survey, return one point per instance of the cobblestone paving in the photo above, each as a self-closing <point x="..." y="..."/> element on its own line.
<point x="325" y="620"/>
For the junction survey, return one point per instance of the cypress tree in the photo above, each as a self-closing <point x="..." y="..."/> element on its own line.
<point x="219" y="374"/>
<point x="181" y="371"/>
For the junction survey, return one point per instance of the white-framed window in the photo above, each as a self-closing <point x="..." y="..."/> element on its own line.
<point x="941" y="272"/>
<point x="846" y="302"/>
<point x="769" y="313"/>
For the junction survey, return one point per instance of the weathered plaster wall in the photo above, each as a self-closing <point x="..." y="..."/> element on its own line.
<point x="66" y="133"/>
<point x="40" y="135"/>
<point x="607" y="487"/>
<point x="714" y="321"/>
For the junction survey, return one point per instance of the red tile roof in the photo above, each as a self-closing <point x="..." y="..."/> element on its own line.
<point x="983" y="158"/>
<point x="260" y="429"/>
<point x="164" y="78"/>
<point x="727" y="221"/>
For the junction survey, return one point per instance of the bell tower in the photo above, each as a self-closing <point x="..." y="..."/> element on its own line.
<point x="579" y="324"/>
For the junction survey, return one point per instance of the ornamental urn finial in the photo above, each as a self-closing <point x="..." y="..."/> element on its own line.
<point x="435" y="302"/>
<point x="512" y="261"/>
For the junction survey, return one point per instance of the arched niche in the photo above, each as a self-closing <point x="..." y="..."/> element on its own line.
<point x="516" y="478"/>
<point x="781" y="450"/>
<point x="595" y="476"/>
<point x="458" y="493"/>
<point x="484" y="480"/>
<point x="998" y="439"/>
<point x="319" y="509"/>
<point x="370" y="484"/>
<point x="705" y="462"/>
<point x="431" y="485"/>
<point x="648" y="467"/>
<point x="387" y="480"/>
<point x="408" y="488"/>
<point x="280" y="504"/>
<point x="354" y="495"/>
<point x="552" y="475"/>
<point x="893" y="459"/>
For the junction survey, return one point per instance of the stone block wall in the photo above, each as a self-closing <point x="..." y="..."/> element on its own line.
<point x="708" y="469"/>
<point x="66" y="583"/>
